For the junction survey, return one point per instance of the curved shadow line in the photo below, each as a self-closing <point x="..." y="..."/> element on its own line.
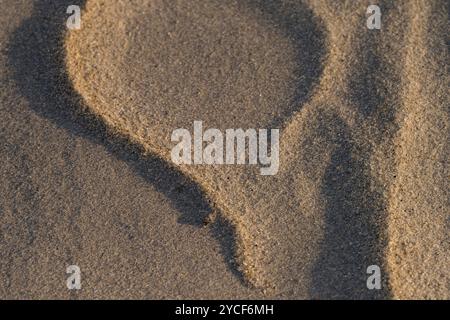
<point x="37" y="57"/>
<point x="291" y="18"/>
<point x="36" y="54"/>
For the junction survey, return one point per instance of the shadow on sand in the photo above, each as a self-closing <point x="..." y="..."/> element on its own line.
<point x="37" y="57"/>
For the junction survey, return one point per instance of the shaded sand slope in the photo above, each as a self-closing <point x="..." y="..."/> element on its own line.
<point x="73" y="194"/>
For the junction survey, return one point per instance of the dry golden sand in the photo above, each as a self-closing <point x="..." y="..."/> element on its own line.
<point x="363" y="157"/>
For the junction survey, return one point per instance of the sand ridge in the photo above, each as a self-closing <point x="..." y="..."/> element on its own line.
<point x="74" y="193"/>
<point x="419" y="237"/>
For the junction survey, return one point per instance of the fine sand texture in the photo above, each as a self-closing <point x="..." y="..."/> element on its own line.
<point x="87" y="176"/>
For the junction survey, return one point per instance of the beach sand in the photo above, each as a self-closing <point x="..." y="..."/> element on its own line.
<point x="87" y="177"/>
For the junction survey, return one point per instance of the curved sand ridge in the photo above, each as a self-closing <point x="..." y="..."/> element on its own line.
<point x="312" y="229"/>
<point x="419" y="223"/>
<point x="252" y="66"/>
